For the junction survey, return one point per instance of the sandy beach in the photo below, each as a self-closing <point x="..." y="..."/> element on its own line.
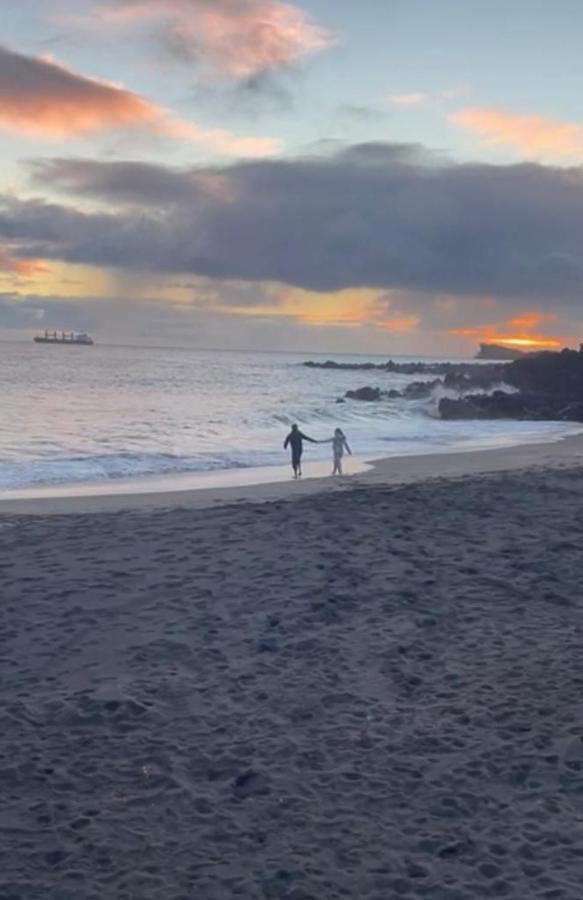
<point x="371" y="692"/>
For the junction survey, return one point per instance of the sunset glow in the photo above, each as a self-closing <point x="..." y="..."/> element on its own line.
<point x="247" y="166"/>
<point x="491" y="335"/>
<point x="536" y="343"/>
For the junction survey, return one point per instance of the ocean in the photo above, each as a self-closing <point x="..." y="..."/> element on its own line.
<point x="76" y="415"/>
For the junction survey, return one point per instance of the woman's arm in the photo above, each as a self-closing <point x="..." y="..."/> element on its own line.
<point x="348" y="450"/>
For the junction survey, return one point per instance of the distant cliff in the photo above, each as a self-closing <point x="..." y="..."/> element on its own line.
<point x="499" y="351"/>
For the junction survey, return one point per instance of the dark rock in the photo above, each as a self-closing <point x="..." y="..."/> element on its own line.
<point x="549" y="373"/>
<point x="331" y="364"/>
<point x="548" y="386"/>
<point x="340" y="400"/>
<point x="480" y="378"/>
<point x="523" y="406"/>
<point x="414" y="368"/>
<point x="420" y="390"/>
<point x="369" y="394"/>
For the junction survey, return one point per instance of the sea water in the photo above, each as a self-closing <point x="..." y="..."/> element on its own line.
<point x="72" y="415"/>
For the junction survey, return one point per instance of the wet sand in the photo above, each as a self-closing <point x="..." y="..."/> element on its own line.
<point x="202" y="490"/>
<point x="370" y="693"/>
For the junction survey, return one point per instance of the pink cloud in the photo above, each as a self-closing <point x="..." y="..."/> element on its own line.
<point x="42" y="98"/>
<point x="532" y="136"/>
<point x="239" y="39"/>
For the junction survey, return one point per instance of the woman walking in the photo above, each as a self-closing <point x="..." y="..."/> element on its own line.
<point x="339" y="445"/>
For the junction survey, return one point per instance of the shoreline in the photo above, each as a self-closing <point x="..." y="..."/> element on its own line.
<point x="191" y="490"/>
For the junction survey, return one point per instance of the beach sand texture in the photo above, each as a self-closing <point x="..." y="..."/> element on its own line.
<point x="372" y="694"/>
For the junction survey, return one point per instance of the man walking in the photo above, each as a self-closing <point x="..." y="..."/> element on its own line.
<point x="295" y="440"/>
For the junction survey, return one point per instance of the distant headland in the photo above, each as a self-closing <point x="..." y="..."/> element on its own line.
<point x="499" y="352"/>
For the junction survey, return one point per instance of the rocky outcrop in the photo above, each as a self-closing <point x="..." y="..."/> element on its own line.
<point x="368" y="394"/>
<point x="501" y="405"/>
<point x="417" y="390"/>
<point x="553" y="373"/>
<point x="420" y="390"/>
<point x="461" y="370"/>
<point x="331" y="364"/>
<point x="546" y="386"/>
<point x="479" y="378"/>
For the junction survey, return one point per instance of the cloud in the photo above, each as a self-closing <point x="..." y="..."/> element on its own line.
<point x="517" y="332"/>
<point x="132" y="183"/>
<point x="408" y="99"/>
<point x="19" y="268"/>
<point x="42" y="98"/>
<point x="382" y="216"/>
<point x="533" y="136"/>
<point x="417" y="98"/>
<point x="237" y="39"/>
<point x="531" y="320"/>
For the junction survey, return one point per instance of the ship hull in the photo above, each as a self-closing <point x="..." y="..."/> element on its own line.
<point x="43" y="340"/>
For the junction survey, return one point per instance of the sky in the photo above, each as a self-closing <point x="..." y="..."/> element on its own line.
<point x="389" y="176"/>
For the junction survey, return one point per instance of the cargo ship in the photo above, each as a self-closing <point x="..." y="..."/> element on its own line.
<point x="63" y="337"/>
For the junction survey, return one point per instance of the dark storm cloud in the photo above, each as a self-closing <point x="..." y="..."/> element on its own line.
<point x="375" y="215"/>
<point x="142" y="184"/>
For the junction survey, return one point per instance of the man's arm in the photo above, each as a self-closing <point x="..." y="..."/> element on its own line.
<point x="305" y="437"/>
<point x="286" y="442"/>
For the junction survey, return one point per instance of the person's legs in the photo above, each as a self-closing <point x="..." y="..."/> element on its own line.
<point x="297" y="465"/>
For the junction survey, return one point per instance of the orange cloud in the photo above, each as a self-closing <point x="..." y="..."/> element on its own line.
<point x="398" y="324"/>
<point x="20" y="267"/>
<point x="43" y="98"/>
<point x="348" y="308"/>
<point x="240" y="39"/>
<point x="516" y="332"/>
<point x="530" y="135"/>
<point x="531" y="320"/>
